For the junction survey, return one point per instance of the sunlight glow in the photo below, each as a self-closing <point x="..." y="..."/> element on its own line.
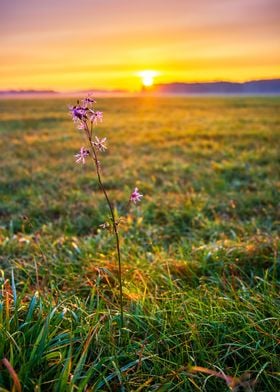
<point x="148" y="77"/>
<point x="149" y="42"/>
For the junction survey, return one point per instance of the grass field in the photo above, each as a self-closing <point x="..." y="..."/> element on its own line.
<point x="200" y="252"/>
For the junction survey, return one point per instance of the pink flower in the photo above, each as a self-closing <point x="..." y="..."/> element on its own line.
<point x="81" y="125"/>
<point x="135" y="196"/>
<point x="81" y="156"/>
<point x="96" y="116"/>
<point x="88" y="100"/>
<point x="100" y="143"/>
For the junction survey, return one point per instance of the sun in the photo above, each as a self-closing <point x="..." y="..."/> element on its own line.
<point x="147" y="77"/>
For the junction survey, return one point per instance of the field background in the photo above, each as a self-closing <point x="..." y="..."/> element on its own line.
<point x="199" y="252"/>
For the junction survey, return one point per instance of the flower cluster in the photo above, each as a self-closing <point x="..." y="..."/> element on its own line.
<point x="81" y="113"/>
<point x="85" y="117"/>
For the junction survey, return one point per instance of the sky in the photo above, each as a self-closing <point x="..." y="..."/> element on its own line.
<point x="70" y="45"/>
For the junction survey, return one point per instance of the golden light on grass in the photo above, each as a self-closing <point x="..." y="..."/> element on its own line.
<point x="148" y="77"/>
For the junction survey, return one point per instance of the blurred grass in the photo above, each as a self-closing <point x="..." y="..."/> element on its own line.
<point x="201" y="263"/>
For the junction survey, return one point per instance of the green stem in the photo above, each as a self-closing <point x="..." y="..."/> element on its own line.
<point x="115" y="227"/>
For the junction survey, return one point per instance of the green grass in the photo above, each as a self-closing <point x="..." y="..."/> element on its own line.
<point x="200" y="254"/>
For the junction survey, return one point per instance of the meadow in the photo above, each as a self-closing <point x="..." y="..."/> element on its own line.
<point x="200" y="252"/>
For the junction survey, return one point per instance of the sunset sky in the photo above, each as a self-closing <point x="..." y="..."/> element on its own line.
<point x="92" y="44"/>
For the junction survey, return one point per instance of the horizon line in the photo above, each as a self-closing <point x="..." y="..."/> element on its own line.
<point x="51" y="90"/>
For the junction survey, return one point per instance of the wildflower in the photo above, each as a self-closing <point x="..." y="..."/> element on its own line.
<point x="100" y="143"/>
<point x="81" y="156"/>
<point x="78" y="113"/>
<point x="88" y="101"/>
<point x="135" y="196"/>
<point x="96" y="116"/>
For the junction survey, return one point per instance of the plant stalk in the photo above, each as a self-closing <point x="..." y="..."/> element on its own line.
<point x="115" y="226"/>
